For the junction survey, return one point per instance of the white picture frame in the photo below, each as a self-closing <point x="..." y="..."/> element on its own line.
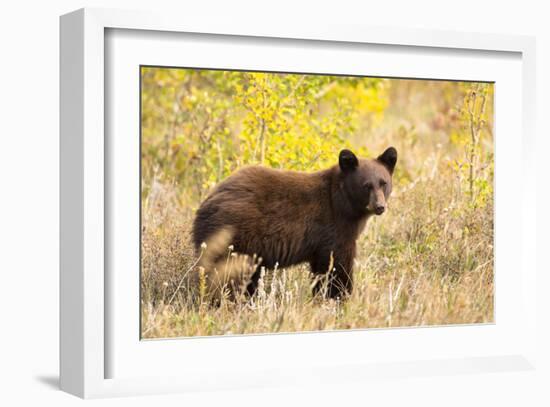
<point x="87" y="297"/>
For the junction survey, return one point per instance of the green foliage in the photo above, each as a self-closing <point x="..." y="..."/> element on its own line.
<point x="476" y="167"/>
<point x="198" y="126"/>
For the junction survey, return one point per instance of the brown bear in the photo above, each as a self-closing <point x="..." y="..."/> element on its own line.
<point x="290" y="217"/>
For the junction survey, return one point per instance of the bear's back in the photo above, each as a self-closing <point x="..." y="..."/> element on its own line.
<point x="268" y="185"/>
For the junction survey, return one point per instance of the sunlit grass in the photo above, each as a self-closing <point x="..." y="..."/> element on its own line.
<point x="419" y="264"/>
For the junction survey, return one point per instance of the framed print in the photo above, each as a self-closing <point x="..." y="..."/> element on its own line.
<point x="251" y="206"/>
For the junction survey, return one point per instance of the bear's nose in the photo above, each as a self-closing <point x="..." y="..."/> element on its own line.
<point x="379" y="210"/>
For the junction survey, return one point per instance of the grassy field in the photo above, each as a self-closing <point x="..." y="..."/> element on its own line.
<point x="427" y="261"/>
<point x="416" y="266"/>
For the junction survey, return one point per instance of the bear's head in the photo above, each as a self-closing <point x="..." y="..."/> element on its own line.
<point x="367" y="184"/>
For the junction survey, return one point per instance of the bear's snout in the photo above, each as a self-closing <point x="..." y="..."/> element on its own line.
<point x="379" y="210"/>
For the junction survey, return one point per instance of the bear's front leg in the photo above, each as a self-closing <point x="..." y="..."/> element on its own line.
<point x="253" y="284"/>
<point x="336" y="272"/>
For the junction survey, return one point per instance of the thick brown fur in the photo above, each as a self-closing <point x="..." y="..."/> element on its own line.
<point x="289" y="217"/>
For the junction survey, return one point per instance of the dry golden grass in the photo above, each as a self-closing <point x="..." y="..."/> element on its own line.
<point x="427" y="261"/>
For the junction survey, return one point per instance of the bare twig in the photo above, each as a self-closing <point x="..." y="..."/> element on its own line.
<point x="184" y="276"/>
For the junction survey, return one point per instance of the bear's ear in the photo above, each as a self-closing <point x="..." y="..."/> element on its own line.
<point x="347" y="161"/>
<point x="388" y="158"/>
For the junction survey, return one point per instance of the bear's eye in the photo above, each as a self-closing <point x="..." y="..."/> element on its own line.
<point x="383" y="183"/>
<point x="368" y="186"/>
